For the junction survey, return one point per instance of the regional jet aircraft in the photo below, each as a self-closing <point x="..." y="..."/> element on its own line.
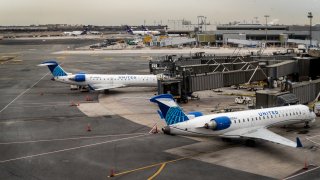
<point x="100" y="82"/>
<point x="75" y="33"/>
<point x="141" y="33"/>
<point x="249" y="125"/>
<point x="151" y="32"/>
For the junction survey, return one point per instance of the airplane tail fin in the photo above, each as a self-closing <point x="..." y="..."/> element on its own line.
<point x="144" y="28"/>
<point x="169" y="109"/>
<point x="129" y="30"/>
<point x="85" y="31"/>
<point x="54" y="67"/>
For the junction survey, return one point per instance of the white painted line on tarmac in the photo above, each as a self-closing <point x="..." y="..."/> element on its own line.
<point x="23" y="92"/>
<point x="313" y="142"/>
<point x="314" y="136"/>
<point x="65" y="139"/>
<point x="309" y="139"/>
<point x="66" y="104"/>
<point x="41" y="103"/>
<point x="301" y="173"/>
<point x="69" y="149"/>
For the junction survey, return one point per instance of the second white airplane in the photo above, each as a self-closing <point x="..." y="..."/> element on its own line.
<point x="250" y="124"/>
<point x="100" y="82"/>
<point x="143" y="32"/>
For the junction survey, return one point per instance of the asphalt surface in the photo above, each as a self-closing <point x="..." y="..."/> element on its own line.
<point x="43" y="137"/>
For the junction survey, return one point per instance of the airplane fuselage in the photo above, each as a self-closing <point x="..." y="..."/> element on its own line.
<point x="141" y="33"/>
<point x="242" y="120"/>
<point x="127" y="80"/>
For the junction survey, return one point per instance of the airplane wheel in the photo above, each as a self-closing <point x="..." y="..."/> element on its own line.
<point x="250" y="143"/>
<point x="226" y="139"/>
<point x="307" y="126"/>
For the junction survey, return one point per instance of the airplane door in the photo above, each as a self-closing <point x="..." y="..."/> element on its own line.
<point x="111" y="80"/>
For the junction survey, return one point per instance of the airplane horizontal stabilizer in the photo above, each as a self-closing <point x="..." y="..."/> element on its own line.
<point x="54" y="67"/>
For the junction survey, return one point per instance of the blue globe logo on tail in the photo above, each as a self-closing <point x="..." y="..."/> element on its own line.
<point x="58" y="71"/>
<point x="169" y="109"/>
<point x="175" y="115"/>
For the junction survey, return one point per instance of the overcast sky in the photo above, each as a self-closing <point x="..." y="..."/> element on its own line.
<point x="134" y="12"/>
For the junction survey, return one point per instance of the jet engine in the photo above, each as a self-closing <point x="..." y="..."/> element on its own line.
<point x="79" y="78"/>
<point x="218" y="123"/>
<point x="194" y="114"/>
<point x="166" y="130"/>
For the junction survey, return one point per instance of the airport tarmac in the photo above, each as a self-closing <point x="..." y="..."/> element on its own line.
<point x="44" y="136"/>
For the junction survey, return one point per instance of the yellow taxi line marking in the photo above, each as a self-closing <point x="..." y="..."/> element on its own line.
<point x="150" y="166"/>
<point x="158" y="172"/>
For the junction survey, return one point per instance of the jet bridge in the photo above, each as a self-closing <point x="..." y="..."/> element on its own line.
<point x="203" y="72"/>
<point x="200" y="71"/>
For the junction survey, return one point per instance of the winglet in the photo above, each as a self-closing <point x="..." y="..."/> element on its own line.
<point x="299" y="144"/>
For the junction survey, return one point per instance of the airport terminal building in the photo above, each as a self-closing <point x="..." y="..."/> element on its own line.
<point x="274" y="35"/>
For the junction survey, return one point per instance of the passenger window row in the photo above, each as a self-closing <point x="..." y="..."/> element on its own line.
<point x="284" y="114"/>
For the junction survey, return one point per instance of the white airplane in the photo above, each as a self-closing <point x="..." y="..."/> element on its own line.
<point x="75" y="33"/>
<point x="152" y="32"/>
<point x="141" y="33"/>
<point x="246" y="43"/>
<point x="249" y="125"/>
<point x="94" y="32"/>
<point x="98" y="82"/>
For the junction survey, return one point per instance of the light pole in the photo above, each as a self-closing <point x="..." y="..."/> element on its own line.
<point x="266" y="16"/>
<point x="310" y="35"/>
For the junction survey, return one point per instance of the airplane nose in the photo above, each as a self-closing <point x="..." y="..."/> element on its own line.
<point x="313" y="115"/>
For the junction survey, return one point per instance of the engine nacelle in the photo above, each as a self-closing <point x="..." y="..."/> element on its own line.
<point x="166" y="130"/>
<point x="79" y="78"/>
<point x="218" y="123"/>
<point x="194" y="114"/>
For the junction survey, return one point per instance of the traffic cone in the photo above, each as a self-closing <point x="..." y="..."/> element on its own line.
<point x="306" y="166"/>
<point x="111" y="173"/>
<point x="154" y="129"/>
<point x="88" y="127"/>
<point x="88" y="98"/>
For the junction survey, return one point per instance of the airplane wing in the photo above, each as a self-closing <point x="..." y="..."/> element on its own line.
<point x="264" y="134"/>
<point x="100" y="87"/>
